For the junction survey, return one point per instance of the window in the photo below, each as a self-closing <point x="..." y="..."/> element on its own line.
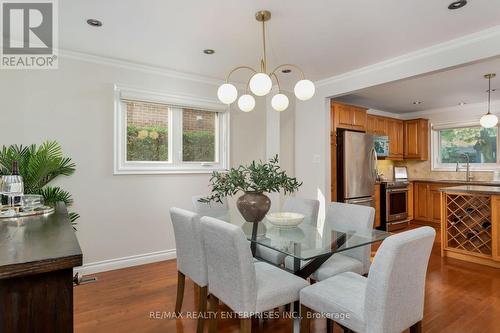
<point x="451" y="144"/>
<point x="159" y="133"/>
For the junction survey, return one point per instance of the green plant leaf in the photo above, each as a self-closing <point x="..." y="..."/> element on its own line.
<point x="257" y="177"/>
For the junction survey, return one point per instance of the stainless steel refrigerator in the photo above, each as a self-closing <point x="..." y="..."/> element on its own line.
<point x="356" y="168"/>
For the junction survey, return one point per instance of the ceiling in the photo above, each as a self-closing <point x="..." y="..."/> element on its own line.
<point x="325" y="37"/>
<point x="437" y="90"/>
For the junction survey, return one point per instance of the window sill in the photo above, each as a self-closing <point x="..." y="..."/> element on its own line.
<point x="167" y="172"/>
<point x="463" y="169"/>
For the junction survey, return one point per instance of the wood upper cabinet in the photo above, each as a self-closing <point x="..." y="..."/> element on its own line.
<point x="370" y="124"/>
<point x="376" y="125"/>
<point x="416" y="139"/>
<point x="348" y="116"/>
<point x="395" y="134"/>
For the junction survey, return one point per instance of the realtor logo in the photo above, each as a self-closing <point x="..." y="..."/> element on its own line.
<point x="29" y="34"/>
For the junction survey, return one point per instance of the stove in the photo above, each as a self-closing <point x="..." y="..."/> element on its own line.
<point x="394" y="201"/>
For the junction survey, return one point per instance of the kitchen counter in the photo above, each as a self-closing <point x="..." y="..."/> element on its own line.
<point x="473" y="189"/>
<point x="38" y="244"/>
<point x="456" y="181"/>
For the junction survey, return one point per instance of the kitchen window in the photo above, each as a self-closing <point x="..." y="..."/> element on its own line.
<point x="451" y="143"/>
<point x="160" y="133"/>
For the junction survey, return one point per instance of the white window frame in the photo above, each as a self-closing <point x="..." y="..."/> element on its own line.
<point x="436" y="165"/>
<point x="176" y="103"/>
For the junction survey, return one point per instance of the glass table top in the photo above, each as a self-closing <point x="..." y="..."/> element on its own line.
<point x="307" y="241"/>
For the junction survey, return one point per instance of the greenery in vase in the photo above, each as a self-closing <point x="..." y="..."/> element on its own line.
<point x="39" y="166"/>
<point x="257" y="177"/>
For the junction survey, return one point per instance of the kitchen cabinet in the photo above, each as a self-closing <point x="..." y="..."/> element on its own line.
<point x="416" y="139"/>
<point x="410" y="201"/>
<point x="376" y="125"/>
<point x="348" y="117"/>
<point x="427" y="201"/>
<point x="395" y="134"/>
<point x="377" y="206"/>
<point x="390" y="127"/>
<point x="420" y="200"/>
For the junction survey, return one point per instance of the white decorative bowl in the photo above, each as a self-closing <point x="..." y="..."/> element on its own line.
<point x="285" y="220"/>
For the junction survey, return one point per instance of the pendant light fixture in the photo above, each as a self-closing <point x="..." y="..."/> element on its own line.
<point x="489" y="120"/>
<point x="261" y="82"/>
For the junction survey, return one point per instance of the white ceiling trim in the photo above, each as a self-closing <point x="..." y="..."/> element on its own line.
<point x="468" y="108"/>
<point x="438" y="49"/>
<point x="107" y="61"/>
<point x="376" y="112"/>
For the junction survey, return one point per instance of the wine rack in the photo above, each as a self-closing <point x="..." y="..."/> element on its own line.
<point x="468" y="223"/>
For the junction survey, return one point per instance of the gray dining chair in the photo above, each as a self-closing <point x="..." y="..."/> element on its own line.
<point x="307" y="207"/>
<point x="389" y="300"/>
<point x="245" y="286"/>
<point x="191" y="259"/>
<point x="345" y="217"/>
<point x="212" y="209"/>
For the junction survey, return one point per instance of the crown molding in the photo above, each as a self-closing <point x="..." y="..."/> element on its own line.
<point x="108" y="61"/>
<point x="471" y="109"/>
<point x="436" y="49"/>
<point x="376" y="112"/>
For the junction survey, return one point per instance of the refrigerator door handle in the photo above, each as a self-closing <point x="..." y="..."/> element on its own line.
<point x="374" y="161"/>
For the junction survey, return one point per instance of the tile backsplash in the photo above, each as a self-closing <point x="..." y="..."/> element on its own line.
<point x="422" y="169"/>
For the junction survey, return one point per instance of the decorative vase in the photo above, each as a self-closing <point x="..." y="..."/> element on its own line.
<point x="253" y="206"/>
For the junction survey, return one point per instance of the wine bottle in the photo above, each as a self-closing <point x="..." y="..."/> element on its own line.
<point x="12" y="185"/>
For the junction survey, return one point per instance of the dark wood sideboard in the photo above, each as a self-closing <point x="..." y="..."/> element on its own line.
<point x="37" y="256"/>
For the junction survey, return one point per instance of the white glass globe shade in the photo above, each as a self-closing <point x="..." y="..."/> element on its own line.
<point x="304" y="90"/>
<point x="246" y="103"/>
<point x="488" y="120"/>
<point x="279" y="102"/>
<point x="260" y="84"/>
<point x="227" y="93"/>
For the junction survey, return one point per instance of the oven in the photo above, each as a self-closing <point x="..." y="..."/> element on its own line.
<point x="396" y="203"/>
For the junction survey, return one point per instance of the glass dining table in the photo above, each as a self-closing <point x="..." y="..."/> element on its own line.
<point x="309" y="244"/>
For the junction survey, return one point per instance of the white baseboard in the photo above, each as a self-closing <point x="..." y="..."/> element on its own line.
<point x="117" y="263"/>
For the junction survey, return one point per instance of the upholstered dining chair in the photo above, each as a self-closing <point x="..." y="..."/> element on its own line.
<point x="307" y="207"/>
<point x="345" y="217"/>
<point x="245" y="286"/>
<point x="191" y="260"/>
<point x="389" y="300"/>
<point x="212" y="209"/>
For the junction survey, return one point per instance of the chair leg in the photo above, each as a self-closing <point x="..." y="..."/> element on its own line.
<point x="181" y="281"/>
<point x="214" y="305"/>
<point x="416" y="328"/>
<point x="305" y="319"/>
<point x="202" y="304"/>
<point x="329" y="325"/>
<point x="245" y="325"/>
<point x="344" y="329"/>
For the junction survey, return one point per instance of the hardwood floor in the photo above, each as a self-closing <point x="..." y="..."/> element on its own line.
<point x="460" y="297"/>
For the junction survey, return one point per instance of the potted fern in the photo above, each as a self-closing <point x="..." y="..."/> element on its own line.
<point x="39" y="166"/>
<point x="253" y="180"/>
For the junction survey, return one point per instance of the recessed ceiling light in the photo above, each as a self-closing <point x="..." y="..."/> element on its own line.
<point x="462" y="103"/>
<point x="286" y="71"/>
<point x="417" y="102"/>
<point x="94" y="23"/>
<point x="457" y="4"/>
<point x="208" y="51"/>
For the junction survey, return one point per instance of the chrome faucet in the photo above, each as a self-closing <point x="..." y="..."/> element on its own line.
<point x="468" y="176"/>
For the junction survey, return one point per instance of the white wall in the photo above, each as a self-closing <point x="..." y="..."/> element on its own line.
<point x="126" y="215"/>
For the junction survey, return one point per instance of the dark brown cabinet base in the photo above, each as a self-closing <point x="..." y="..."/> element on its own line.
<point x="37" y="303"/>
